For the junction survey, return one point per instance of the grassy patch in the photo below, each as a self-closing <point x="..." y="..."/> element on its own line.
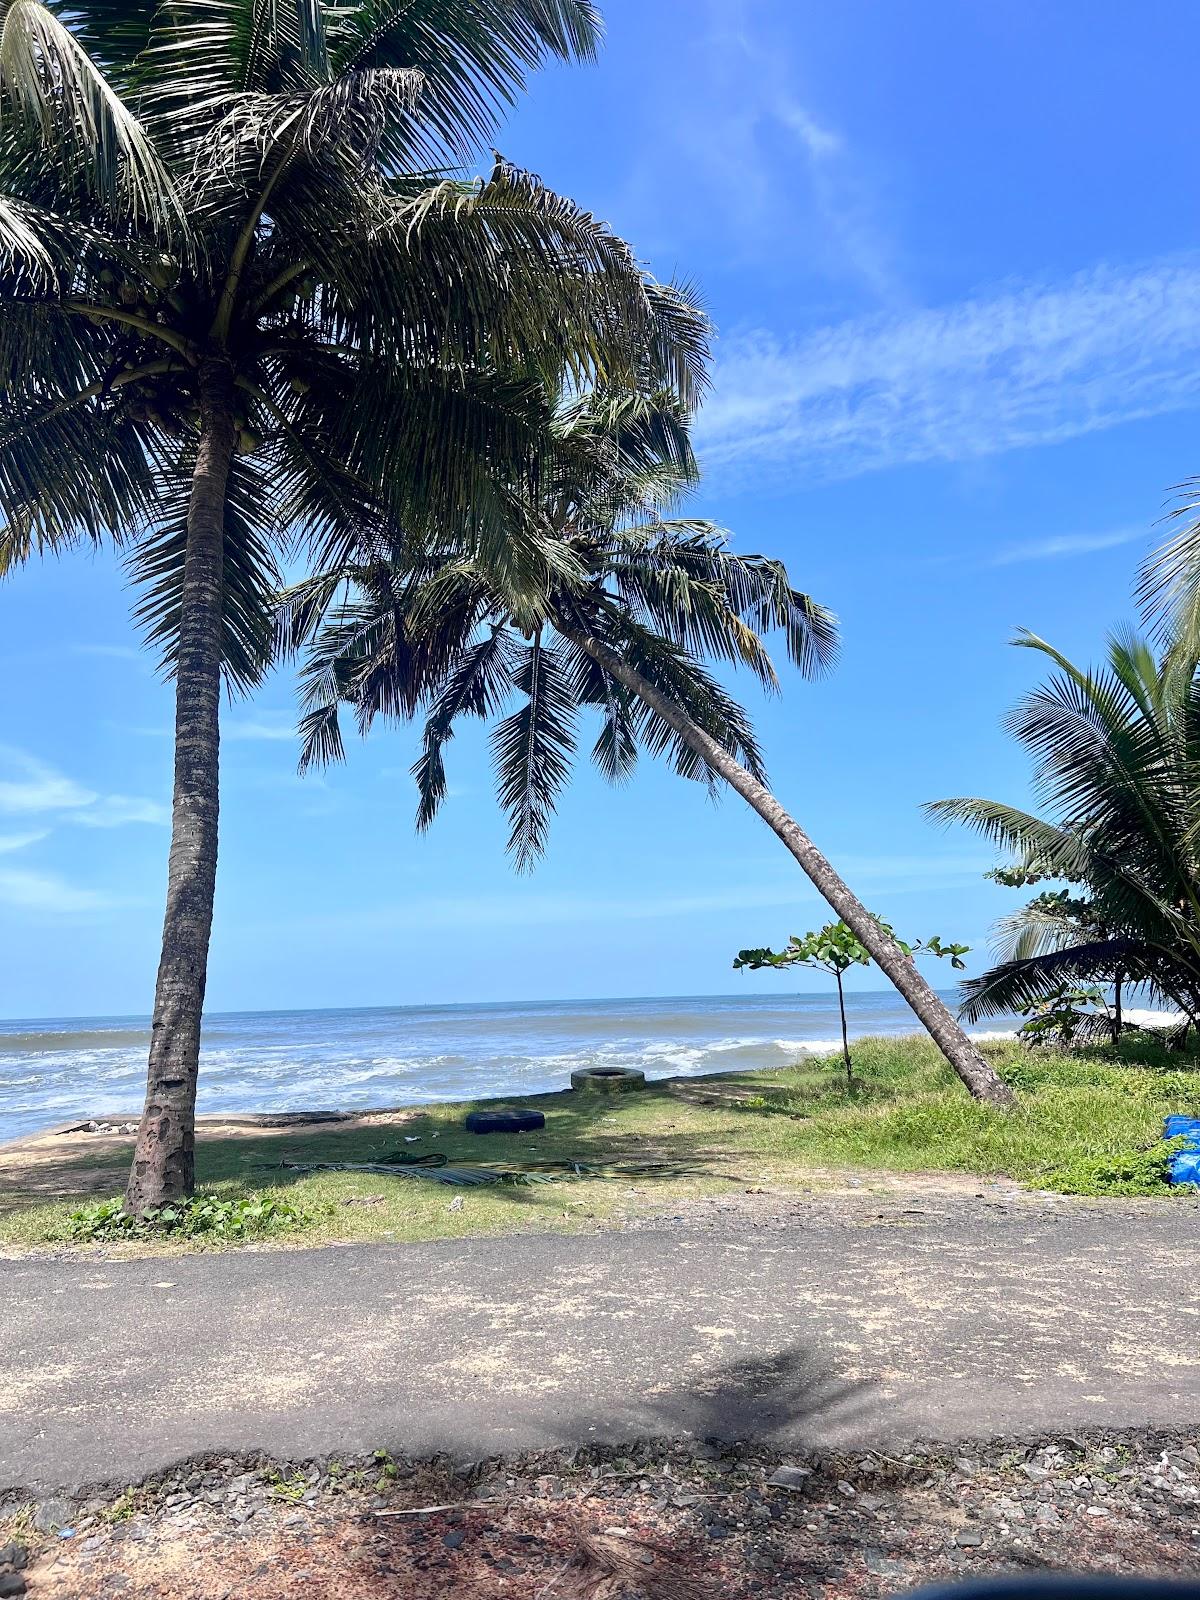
<point x="1087" y="1123"/>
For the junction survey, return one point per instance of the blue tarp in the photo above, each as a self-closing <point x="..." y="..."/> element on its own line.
<point x="1183" y="1166"/>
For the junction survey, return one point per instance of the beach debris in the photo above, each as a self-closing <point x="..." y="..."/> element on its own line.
<point x="604" y="1564"/>
<point x="436" y="1168"/>
<point x="504" y="1120"/>
<point x="608" y="1080"/>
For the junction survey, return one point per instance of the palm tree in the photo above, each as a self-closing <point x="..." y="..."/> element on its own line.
<point x="270" y="328"/>
<point x="634" y="598"/>
<point x="1117" y="761"/>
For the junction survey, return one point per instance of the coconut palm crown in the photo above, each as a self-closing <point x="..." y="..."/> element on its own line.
<point x="1116" y="754"/>
<point x="241" y="314"/>
<point x="635" y="599"/>
<point x="436" y="633"/>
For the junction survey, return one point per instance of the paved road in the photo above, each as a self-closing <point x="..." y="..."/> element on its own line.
<point x="848" y="1322"/>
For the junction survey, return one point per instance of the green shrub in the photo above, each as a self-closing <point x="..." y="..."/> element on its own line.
<point x="242" y="1217"/>
<point x="1132" y="1172"/>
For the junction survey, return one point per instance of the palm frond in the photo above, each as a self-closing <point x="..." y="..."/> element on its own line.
<point x="532" y="749"/>
<point x="251" y="577"/>
<point x="476" y="686"/>
<point x="1014" y="986"/>
<point x="48" y="81"/>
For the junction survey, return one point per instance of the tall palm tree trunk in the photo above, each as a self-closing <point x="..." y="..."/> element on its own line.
<point x="164" y="1159"/>
<point x="980" y="1078"/>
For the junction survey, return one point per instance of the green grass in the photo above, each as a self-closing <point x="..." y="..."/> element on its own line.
<point x="1089" y="1123"/>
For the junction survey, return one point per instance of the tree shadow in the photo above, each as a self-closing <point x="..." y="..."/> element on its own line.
<point x="256" y="1153"/>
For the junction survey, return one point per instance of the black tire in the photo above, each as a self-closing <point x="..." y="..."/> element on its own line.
<point x="504" y="1121"/>
<point x="608" y="1080"/>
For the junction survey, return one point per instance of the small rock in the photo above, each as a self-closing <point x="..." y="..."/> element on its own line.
<point x="717" y="1530"/>
<point x="970" y="1538"/>
<point x="795" y="1478"/>
<point x="846" y="1489"/>
<point x="1034" y="1474"/>
<point x="11" y="1583"/>
<point x="882" y="1566"/>
<point x="52" y="1514"/>
<point x="454" y="1538"/>
<point x="1098" y="1511"/>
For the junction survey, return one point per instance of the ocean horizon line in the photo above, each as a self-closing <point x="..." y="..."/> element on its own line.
<point x="383" y="1007"/>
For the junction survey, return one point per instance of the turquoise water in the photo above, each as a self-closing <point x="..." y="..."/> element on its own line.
<point x="56" y="1070"/>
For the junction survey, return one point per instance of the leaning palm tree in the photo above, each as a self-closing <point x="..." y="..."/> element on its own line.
<point x="1117" y="762"/>
<point x="271" y="327"/>
<point x="634" y="599"/>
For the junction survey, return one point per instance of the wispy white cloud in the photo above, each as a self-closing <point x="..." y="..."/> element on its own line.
<point x="46" y="892"/>
<point x="760" y="153"/>
<point x="28" y="785"/>
<point x="32" y="787"/>
<point x="921" y="869"/>
<point x="1059" y="546"/>
<point x="115" y="810"/>
<point x="19" y="841"/>
<point x="1026" y="365"/>
<point x="269" y="725"/>
<point x="111" y="652"/>
<point x="525" y="907"/>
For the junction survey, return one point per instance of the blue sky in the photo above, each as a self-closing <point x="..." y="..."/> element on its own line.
<point x="952" y="254"/>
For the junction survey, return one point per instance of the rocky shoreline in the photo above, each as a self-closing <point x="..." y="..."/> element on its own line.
<point x="732" y="1518"/>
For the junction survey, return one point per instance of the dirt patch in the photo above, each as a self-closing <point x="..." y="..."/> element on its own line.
<point x="683" y="1521"/>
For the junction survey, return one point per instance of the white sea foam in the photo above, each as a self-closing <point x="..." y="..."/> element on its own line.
<point x="414" y="1055"/>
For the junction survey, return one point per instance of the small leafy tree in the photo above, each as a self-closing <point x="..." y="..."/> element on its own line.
<point x="1069" y="1015"/>
<point x="835" y="949"/>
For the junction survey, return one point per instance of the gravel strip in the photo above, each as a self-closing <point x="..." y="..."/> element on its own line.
<point x="738" y="1520"/>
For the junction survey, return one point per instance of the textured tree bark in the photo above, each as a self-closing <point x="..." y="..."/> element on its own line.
<point x="845" y="1034"/>
<point x="1116" y="1027"/>
<point x="980" y="1078"/>
<point x="164" y="1158"/>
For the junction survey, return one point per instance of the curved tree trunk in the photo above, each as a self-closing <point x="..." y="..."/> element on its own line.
<point x="164" y="1159"/>
<point x="980" y="1078"/>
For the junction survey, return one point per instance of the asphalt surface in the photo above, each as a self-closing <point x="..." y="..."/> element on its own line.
<point x="850" y="1322"/>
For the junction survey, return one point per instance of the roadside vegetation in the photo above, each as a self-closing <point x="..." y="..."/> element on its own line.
<point x="1087" y="1123"/>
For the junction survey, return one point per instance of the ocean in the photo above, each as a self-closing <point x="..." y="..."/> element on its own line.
<point x="52" y="1071"/>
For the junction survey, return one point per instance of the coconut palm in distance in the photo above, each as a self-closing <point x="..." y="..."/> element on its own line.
<point x="1115" y="758"/>
<point x="636" y="598"/>
<point x="270" y="328"/>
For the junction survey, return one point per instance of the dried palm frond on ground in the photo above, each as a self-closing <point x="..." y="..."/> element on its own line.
<point x="609" y="1565"/>
<point x="436" y="1168"/>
